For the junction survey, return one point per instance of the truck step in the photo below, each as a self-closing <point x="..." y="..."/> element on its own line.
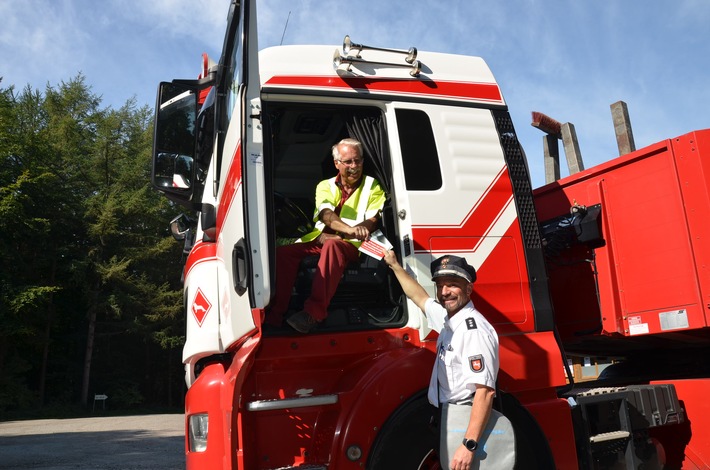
<point x="304" y="467"/>
<point x="609" y="436"/>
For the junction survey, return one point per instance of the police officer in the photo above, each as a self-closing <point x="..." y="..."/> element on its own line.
<point x="463" y="380"/>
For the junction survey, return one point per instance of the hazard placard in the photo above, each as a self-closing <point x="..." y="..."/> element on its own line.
<point x="200" y="306"/>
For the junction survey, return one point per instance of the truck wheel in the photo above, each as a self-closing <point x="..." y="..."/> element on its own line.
<point x="409" y="439"/>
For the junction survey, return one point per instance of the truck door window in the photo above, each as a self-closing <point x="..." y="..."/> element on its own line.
<point x="234" y="77"/>
<point x="419" y="156"/>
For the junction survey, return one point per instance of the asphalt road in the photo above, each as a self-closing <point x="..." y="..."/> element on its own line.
<point x="106" y="443"/>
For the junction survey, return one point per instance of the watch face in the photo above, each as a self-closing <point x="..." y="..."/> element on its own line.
<point x="470" y="444"/>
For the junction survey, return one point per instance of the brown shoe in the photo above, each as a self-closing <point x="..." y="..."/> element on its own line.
<point x="302" y="322"/>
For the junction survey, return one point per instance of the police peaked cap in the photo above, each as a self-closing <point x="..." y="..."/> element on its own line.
<point x="450" y="265"/>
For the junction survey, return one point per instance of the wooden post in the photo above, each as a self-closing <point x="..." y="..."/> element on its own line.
<point x="551" y="156"/>
<point x="622" y="128"/>
<point x="550" y="149"/>
<point x="571" y="146"/>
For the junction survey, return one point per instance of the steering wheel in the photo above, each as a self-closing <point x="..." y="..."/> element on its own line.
<point x="290" y="220"/>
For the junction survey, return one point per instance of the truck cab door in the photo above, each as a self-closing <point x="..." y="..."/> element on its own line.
<point x="242" y="248"/>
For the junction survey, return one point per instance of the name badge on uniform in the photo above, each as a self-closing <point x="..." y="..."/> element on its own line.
<point x="476" y="363"/>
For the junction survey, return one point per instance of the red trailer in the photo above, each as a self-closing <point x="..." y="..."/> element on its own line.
<point x="628" y="259"/>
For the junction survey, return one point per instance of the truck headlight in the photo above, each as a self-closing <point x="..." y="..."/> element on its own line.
<point x="197" y="432"/>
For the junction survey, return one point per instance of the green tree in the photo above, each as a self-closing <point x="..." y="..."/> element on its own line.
<point x="127" y="229"/>
<point x="90" y="272"/>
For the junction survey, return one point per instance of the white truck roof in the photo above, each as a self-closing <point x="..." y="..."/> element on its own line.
<point x="442" y="76"/>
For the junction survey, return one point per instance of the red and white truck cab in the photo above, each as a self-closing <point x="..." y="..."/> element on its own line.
<point x="351" y="395"/>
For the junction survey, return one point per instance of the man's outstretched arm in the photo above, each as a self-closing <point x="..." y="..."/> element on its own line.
<point x="410" y="286"/>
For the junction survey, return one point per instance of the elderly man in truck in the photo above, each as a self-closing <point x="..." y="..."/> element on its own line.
<point x="347" y="210"/>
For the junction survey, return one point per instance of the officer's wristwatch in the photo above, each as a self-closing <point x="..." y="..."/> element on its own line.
<point x="470" y="444"/>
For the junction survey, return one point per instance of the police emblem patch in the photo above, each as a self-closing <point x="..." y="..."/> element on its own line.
<point x="476" y="363"/>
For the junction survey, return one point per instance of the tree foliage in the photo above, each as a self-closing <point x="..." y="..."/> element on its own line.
<point x="90" y="297"/>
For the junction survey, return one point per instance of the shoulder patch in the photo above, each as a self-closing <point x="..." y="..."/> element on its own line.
<point x="471" y="323"/>
<point x="476" y="363"/>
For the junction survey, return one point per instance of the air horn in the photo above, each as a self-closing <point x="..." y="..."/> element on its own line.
<point x="348" y="45"/>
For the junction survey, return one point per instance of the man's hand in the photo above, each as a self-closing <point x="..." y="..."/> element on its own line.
<point x="327" y="236"/>
<point x="462" y="459"/>
<point x="335" y="223"/>
<point x="359" y="232"/>
<point x="390" y="258"/>
<point x="411" y="288"/>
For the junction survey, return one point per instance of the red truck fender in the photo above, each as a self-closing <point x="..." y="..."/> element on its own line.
<point x="384" y="387"/>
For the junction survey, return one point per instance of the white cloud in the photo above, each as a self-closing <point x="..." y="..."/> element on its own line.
<point x="36" y="40"/>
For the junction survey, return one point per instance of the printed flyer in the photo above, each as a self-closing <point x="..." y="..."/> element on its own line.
<point x="376" y="245"/>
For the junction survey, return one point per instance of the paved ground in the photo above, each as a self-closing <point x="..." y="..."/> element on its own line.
<point x="106" y="443"/>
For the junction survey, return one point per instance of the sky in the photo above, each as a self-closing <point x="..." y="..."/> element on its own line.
<point x="569" y="59"/>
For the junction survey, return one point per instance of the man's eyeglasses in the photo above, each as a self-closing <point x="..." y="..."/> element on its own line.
<point x="351" y="162"/>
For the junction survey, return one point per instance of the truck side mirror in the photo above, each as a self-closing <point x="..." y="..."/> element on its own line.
<point x="174" y="143"/>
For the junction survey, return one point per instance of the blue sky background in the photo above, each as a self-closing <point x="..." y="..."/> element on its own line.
<point x="569" y="59"/>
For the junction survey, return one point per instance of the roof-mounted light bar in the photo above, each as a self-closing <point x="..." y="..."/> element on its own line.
<point x="349" y="46"/>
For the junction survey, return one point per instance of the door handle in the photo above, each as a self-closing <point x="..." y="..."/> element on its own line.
<point x="239" y="267"/>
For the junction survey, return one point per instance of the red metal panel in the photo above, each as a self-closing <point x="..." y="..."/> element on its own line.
<point x="204" y="397"/>
<point x="653" y="270"/>
<point x="360" y="368"/>
<point x="530" y="362"/>
<point x="648" y="247"/>
<point x="501" y="292"/>
<point x="554" y="418"/>
<point x="692" y="155"/>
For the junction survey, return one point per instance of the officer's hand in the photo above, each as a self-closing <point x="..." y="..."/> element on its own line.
<point x="462" y="459"/>
<point x="390" y="258"/>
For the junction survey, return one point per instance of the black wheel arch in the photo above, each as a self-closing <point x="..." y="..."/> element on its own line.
<point x="408" y="437"/>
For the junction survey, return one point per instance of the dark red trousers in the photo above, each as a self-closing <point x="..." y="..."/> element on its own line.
<point x="335" y="255"/>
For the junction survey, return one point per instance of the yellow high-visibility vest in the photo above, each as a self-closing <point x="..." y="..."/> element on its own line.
<point x="365" y="202"/>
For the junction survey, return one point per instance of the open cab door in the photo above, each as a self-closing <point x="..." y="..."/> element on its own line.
<point x="239" y="200"/>
<point x="207" y="157"/>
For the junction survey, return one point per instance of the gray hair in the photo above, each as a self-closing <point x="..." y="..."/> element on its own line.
<point x="350" y="143"/>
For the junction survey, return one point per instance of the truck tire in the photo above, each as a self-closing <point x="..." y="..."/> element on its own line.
<point x="409" y="439"/>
